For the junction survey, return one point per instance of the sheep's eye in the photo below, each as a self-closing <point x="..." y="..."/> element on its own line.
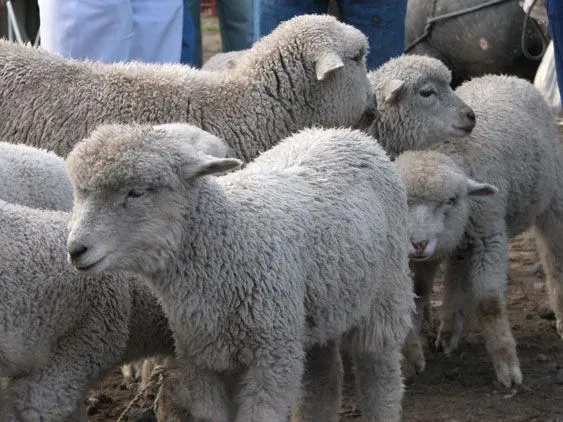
<point x="358" y="57"/>
<point x="452" y="200"/>
<point x="427" y="92"/>
<point x="135" y="193"/>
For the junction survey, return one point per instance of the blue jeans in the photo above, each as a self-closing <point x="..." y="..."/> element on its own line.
<point x="382" y="21"/>
<point x="235" y="23"/>
<point x="555" y="14"/>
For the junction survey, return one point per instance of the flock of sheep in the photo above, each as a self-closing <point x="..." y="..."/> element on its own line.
<point x="144" y="238"/>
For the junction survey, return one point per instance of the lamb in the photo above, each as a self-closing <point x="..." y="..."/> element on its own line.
<point x="34" y="178"/>
<point x="304" y="246"/>
<point x="457" y="218"/>
<point x="309" y="71"/>
<point x="415" y="105"/>
<point x="62" y="330"/>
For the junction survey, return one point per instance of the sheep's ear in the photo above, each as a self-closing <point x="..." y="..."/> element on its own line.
<point x="391" y="89"/>
<point x="480" y="189"/>
<point x="209" y="165"/>
<point x="327" y="63"/>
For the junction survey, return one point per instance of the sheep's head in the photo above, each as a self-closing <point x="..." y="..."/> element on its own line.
<point x="438" y="199"/>
<point x="414" y="92"/>
<point x="319" y="61"/>
<point x="132" y="188"/>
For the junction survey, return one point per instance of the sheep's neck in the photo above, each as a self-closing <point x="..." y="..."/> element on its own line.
<point x="252" y="118"/>
<point x="199" y="278"/>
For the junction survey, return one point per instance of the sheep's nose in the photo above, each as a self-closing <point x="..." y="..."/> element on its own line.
<point x="420" y="246"/>
<point x="76" y="250"/>
<point x="470" y="115"/>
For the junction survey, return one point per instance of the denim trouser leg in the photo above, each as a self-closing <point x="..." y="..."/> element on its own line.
<point x="271" y="13"/>
<point x="195" y="10"/>
<point x="235" y="22"/>
<point x="555" y="14"/>
<point x="382" y="21"/>
<point x="188" y="37"/>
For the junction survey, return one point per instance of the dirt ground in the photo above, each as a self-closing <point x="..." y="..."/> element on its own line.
<point x="458" y="388"/>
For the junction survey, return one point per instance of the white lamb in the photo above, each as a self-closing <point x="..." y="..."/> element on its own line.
<point x="63" y="331"/>
<point x="305" y="245"/>
<point x="308" y="71"/>
<point x="515" y="146"/>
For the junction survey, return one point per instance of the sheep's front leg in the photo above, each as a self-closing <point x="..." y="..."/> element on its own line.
<point x="322" y="385"/>
<point x="456" y="302"/>
<point x="379" y="383"/>
<point x="487" y="266"/>
<point x="53" y="394"/>
<point x="270" y="386"/>
<point x="413" y="351"/>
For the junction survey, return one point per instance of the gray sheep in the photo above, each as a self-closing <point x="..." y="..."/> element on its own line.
<point x="34" y="178"/>
<point x="62" y="330"/>
<point x="254" y="268"/>
<point x="308" y="71"/>
<point x="453" y="217"/>
<point x="415" y="104"/>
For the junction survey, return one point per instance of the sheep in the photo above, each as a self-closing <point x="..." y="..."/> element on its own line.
<point x="309" y="71"/>
<point x="414" y="103"/>
<point x="34" y="178"/>
<point x="221" y="62"/>
<point x="64" y="330"/>
<point x="416" y="106"/>
<point x="305" y="245"/>
<point x="456" y="214"/>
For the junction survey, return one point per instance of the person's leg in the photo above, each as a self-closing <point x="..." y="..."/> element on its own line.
<point x="195" y="10"/>
<point x="555" y="15"/>
<point x="87" y="29"/>
<point x="272" y="12"/>
<point x="383" y="22"/>
<point x="188" y="37"/>
<point x="157" y="30"/>
<point x="235" y="23"/>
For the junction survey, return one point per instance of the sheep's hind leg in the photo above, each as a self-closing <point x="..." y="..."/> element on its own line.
<point x="549" y="242"/>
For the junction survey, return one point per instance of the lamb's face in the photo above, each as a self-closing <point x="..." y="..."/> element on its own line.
<point x="439" y="197"/>
<point x="133" y="189"/>
<point x="417" y="91"/>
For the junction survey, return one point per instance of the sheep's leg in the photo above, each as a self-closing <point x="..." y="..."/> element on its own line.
<point x="549" y="242"/>
<point x="322" y="385"/>
<point x="270" y="387"/>
<point x="413" y="351"/>
<point x="379" y="383"/>
<point x="456" y="303"/>
<point x="487" y="266"/>
<point x="52" y="394"/>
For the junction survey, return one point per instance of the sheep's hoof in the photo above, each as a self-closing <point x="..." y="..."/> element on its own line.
<point x="560" y="328"/>
<point x="509" y="374"/>
<point x="414" y="362"/>
<point x="447" y="340"/>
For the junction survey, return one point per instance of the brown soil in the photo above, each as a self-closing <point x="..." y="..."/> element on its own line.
<point x="456" y="388"/>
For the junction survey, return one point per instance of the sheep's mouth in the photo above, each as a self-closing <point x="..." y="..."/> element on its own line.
<point x="464" y="130"/>
<point x="88" y="267"/>
<point x="419" y="257"/>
